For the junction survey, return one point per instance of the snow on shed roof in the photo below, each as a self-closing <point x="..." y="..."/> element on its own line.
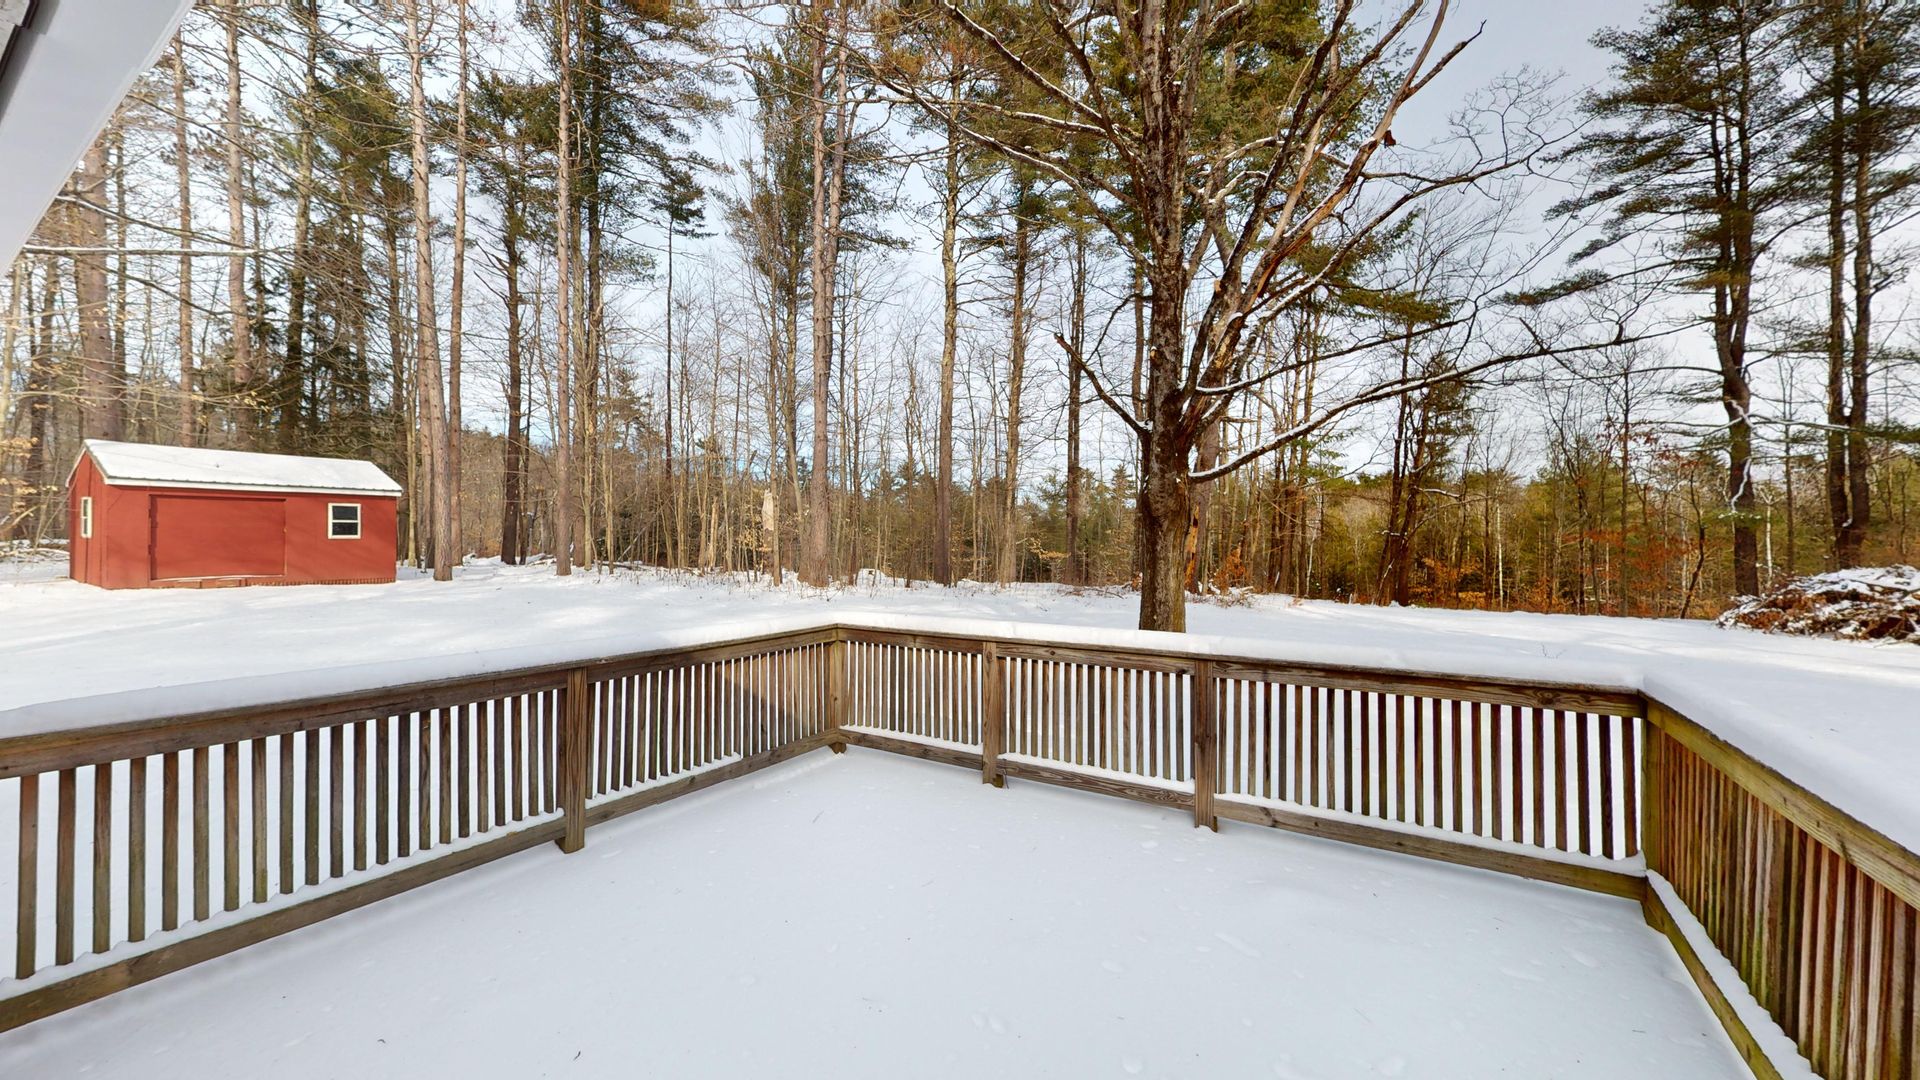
<point x="146" y="465"/>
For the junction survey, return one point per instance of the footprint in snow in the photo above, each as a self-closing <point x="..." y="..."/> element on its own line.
<point x="1132" y="1066"/>
<point x="1114" y="966"/>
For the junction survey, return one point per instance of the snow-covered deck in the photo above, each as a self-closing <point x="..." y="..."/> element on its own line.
<point x="869" y="915"/>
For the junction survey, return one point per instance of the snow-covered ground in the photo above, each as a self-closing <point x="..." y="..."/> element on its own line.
<point x="876" y="916"/>
<point x="1841" y="718"/>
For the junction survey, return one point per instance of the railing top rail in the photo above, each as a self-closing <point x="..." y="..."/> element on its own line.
<point x="71" y="732"/>
<point x="77" y="730"/>
<point x="1494" y="689"/>
<point x="262" y="714"/>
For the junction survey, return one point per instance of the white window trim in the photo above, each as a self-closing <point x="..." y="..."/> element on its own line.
<point x="358" y="513"/>
<point x="86" y="517"/>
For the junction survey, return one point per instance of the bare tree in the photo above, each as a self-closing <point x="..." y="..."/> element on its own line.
<point x="1261" y="212"/>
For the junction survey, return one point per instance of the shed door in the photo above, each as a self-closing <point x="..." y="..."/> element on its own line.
<point x="197" y="536"/>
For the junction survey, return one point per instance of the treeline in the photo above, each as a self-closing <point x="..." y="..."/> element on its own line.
<point x="950" y="292"/>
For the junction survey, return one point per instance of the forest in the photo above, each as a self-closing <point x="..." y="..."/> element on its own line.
<point x="1195" y="298"/>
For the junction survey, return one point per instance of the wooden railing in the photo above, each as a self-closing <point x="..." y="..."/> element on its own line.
<point x="143" y="848"/>
<point x="1814" y="911"/>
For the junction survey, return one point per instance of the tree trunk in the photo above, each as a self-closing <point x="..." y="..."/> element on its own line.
<point x="456" y="299"/>
<point x="426" y="365"/>
<point x="513" y="479"/>
<point x="102" y="413"/>
<point x="563" y="363"/>
<point x="293" y="418"/>
<point x="183" y="171"/>
<point x="1166" y="490"/>
<point x="828" y="180"/>
<point x="1009" y="560"/>
<point x="675" y="553"/>
<point x="949" y="347"/>
<point x="1076" y="570"/>
<point x="241" y="368"/>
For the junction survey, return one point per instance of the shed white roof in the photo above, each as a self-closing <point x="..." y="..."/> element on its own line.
<point x="146" y="465"/>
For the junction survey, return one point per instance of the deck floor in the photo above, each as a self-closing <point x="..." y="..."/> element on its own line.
<point x="875" y="916"/>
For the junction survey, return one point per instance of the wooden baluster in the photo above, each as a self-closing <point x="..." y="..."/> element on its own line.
<point x="382" y="787"/>
<point x="1539" y="777"/>
<point x="336" y="799"/>
<point x="257" y="829"/>
<point x="1496" y="770"/>
<point x="504" y="754"/>
<point x="202" y="845"/>
<point x="1562" y="798"/>
<point x="1344" y="735"/>
<point x="1515" y="774"/>
<point x="617" y="720"/>
<point x="310" y="746"/>
<point x="230" y="824"/>
<point x="1022" y="724"/>
<point x="26" y="925"/>
<point x="524" y="732"/>
<point x="483" y="768"/>
<point x="1456" y="750"/>
<point x="1902" y="993"/>
<point x="657" y="719"/>
<point x="287" y="822"/>
<point x="136" y="848"/>
<point x="460" y="730"/>
<point x="1476" y="767"/>
<point x="553" y="747"/>
<point x="1583" y="782"/>
<point x="423" y="780"/>
<point x="443" y="724"/>
<point x="103" y="857"/>
<point x="1376" y="709"/>
<point x="1360" y="753"/>
<point x="403" y="786"/>
<point x="63" y="869"/>
<point x="1630" y="783"/>
<point x="1317" y="751"/>
<point x="360" y="734"/>
<point x="1607" y="845"/>
<point x="169" y="841"/>
<point x="1264" y="724"/>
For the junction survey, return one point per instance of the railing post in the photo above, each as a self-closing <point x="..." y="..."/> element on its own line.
<point x="1652" y="789"/>
<point x="993" y="715"/>
<point x="574" y="747"/>
<point x="837" y="691"/>
<point x="1206" y="737"/>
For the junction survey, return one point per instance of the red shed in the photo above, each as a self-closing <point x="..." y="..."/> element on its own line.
<point x="148" y="516"/>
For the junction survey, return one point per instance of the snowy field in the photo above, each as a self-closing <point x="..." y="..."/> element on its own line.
<point x="1841" y="718"/>
<point x="876" y="916"/>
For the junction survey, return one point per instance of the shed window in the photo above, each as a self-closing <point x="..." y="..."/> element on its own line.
<point x="86" y="517"/>
<point x="343" y="521"/>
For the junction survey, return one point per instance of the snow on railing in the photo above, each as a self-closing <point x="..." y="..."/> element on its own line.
<point x="140" y="848"/>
